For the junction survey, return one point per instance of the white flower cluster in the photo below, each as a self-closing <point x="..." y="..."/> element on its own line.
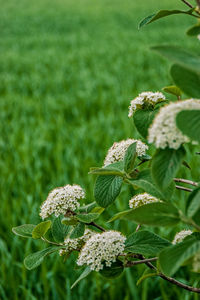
<point x="142" y="199"/>
<point x="163" y="132"/>
<point x="145" y="98"/>
<point x="102" y="248"/>
<point x="75" y="244"/>
<point x="62" y="199"/>
<point x="117" y="151"/>
<point x="179" y="237"/>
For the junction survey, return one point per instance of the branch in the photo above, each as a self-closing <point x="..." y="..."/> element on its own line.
<point x="187" y="3"/>
<point x="186" y="181"/>
<point x="183" y="188"/>
<point x="170" y="279"/>
<point x="139" y="262"/>
<point x="96" y="225"/>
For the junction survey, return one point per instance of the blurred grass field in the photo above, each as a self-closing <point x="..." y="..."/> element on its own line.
<point x="68" y="70"/>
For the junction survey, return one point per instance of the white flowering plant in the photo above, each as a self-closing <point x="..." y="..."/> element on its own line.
<point x="168" y="129"/>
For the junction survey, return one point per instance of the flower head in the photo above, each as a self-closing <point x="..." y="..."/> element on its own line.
<point x="117" y="151"/>
<point x="62" y="199"/>
<point x="142" y="199"/>
<point x="179" y="237"/>
<point x="145" y="98"/>
<point x="102" y="248"/>
<point x="163" y="132"/>
<point x="76" y="244"/>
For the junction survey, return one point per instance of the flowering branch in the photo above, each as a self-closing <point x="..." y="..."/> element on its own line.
<point x="138" y="262"/>
<point x="186" y="181"/>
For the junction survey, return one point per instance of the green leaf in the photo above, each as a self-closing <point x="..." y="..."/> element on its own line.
<point x="105" y="171"/>
<point x="187" y="80"/>
<point x="87" y="218"/>
<point x="41" y="229"/>
<point x="145" y="182"/>
<point x="24" y="230"/>
<point x="120" y="215"/>
<point x="87" y="208"/>
<point x="143" y="119"/>
<point x="146" y="243"/>
<point x="194" y="30"/>
<point x="83" y="275"/>
<point x="173" y="257"/>
<point x="154" y="214"/>
<point x="59" y="230"/>
<point x="188" y="121"/>
<point x="161" y="14"/>
<point x="193" y="203"/>
<point x="174" y="90"/>
<point x="69" y="221"/>
<point x="35" y="259"/>
<point x="78" y="231"/>
<point x="165" y="165"/>
<point x="180" y="56"/>
<point x="106" y="189"/>
<point x="113" y="271"/>
<point x="130" y="157"/>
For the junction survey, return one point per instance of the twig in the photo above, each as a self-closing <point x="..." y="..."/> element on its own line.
<point x="139" y="262"/>
<point x="186" y="181"/>
<point x="138" y="227"/>
<point x="96" y="225"/>
<point x="187" y="3"/>
<point x="170" y="279"/>
<point x="183" y="188"/>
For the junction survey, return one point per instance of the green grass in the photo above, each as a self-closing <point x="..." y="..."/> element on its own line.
<point x="68" y="70"/>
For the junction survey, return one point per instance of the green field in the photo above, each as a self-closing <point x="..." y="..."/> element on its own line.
<point x="68" y="70"/>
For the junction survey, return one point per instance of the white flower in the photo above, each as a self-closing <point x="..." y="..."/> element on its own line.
<point x="102" y="248"/>
<point x="117" y="151"/>
<point x="61" y="200"/>
<point x="75" y="244"/>
<point x="163" y="132"/>
<point x="179" y="237"/>
<point x="142" y="199"/>
<point x="145" y="98"/>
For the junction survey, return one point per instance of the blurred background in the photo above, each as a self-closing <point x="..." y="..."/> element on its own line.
<point x="68" y="70"/>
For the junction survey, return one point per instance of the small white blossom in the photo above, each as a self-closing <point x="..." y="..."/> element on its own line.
<point x="163" y="132"/>
<point x="145" y="98"/>
<point x="179" y="237"/>
<point x="142" y="199"/>
<point x="102" y="248"/>
<point x="76" y="244"/>
<point x="62" y="199"/>
<point x="117" y="151"/>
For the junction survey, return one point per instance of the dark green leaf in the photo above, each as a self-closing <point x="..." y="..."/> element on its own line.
<point x="87" y="218"/>
<point x="106" y="189"/>
<point x="146" y="243"/>
<point x="35" y="259"/>
<point x="174" y="90"/>
<point x="179" y="56"/>
<point x="24" y="230"/>
<point x="193" y="203"/>
<point x="130" y="157"/>
<point x="145" y="182"/>
<point x="165" y="165"/>
<point x="114" y="271"/>
<point x="83" y="275"/>
<point x="161" y="14"/>
<point x="41" y="229"/>
<point x="59" y="230"/>
<point x="154" y="214"/>
<point x="173" y="257"/>
<point x="194" y="30"/>
<point x="187" y="80"/>
<point x="78" y="231"/>
<point x="143" y="119"/>
<point x="105" y="171"/>
<point x="188" y="121"/>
